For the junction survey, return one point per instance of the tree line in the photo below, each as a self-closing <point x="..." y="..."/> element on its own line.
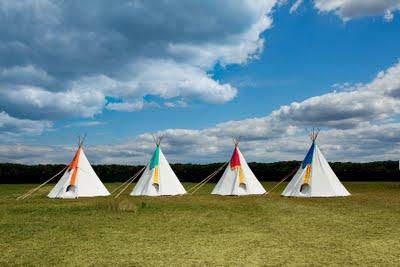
<point x="346" y="171"/>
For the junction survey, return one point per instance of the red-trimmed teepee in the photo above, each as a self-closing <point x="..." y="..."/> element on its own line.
<point x="238" y="179"/>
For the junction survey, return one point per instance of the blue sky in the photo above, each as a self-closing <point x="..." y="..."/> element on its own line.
<point x="256" y="70"/>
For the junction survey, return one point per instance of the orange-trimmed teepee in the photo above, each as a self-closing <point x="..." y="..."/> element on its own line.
<point x="79" y="180"/>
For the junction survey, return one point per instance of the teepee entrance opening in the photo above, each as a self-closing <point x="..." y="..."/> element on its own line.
<point x="243" y="188"/>
<point x="71" y="188"/>
<point x="305" y="189"/>
<point x="156" y="187"/>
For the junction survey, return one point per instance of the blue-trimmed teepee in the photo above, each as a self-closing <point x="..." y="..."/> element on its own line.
<point x="315" y="178"/>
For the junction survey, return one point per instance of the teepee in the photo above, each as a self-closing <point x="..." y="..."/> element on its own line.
<point x="158" y="179"/>
<point x="79" y="180"/>
<point x="238" y="179"/>
<point x="315" y="178"/>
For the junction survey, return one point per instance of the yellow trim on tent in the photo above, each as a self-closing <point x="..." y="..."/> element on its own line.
<point x="241" y="175"/>
<point x="307" y="176"/>
<point x="155" y="175"/>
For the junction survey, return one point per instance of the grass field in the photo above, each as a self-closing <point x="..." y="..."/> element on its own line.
<point x="202" y="230"/>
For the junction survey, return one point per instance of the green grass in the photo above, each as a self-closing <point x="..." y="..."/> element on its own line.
<point x="202" y="230"/>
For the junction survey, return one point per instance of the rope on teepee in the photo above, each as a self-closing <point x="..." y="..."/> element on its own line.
<point x="129" y="181"/>
<point x="30" y="192"/>
<point x="205" y="180"/>
<point x="281" y="181"/>
<point x="124" y="183"/>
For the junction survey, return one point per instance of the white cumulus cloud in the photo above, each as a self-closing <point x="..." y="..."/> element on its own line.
<point x="65" y="58"/>
<point x="13" y="127"/>
<point x="351" y="9"/>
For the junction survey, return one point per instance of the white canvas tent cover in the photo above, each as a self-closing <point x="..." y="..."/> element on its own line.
<point x="238" y="179"/>
<point x="79" y="180"/>
<point x="315" y="178"/>
<point x="158" y="179"/>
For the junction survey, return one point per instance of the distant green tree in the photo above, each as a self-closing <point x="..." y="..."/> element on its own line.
<point x="346" y="171"/>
